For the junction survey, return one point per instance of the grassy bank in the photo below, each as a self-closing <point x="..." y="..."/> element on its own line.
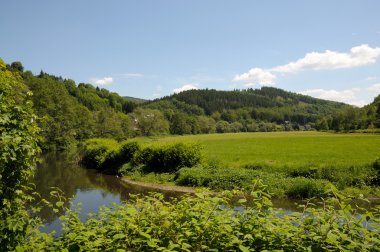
<point x="292" y="164"/>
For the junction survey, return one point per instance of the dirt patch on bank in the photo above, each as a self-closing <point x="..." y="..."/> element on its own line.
<point x="171" y="188"/>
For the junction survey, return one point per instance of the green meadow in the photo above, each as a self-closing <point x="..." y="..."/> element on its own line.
<point x="284" y="148"/>
<point x="291" y="164"/>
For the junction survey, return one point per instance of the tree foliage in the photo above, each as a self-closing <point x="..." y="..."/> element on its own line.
<point x="265" y="109"/>
<point x="150" y="122"/>
<point x="19" y="136"/>
<point x="72" y="113"/>
<point x="352" y="118"/>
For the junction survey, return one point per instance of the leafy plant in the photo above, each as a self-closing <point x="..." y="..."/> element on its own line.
<point x="206" y="222"/>
<point x="168" y="158"/>
<point x="19" y="137"/>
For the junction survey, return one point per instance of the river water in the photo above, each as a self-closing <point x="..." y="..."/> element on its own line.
<point x="91" y="189"/>
<point x="80" y="185"/>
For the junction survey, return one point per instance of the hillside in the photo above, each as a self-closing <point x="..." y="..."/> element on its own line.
<point x="70" y="113"/>
<point x="366" y="119"/>
<point x="267" y="97"/>
<point x="251" y="109"/>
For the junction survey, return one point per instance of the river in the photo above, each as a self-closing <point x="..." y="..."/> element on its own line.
<point x="80" y="185"/>
<point x="91" y="189"/>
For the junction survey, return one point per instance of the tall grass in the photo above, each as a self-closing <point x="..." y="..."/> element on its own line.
<point x="284" y="148"/>
<point x="232" y="161"/>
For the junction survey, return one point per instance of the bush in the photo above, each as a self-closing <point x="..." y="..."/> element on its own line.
<point x="97" y="151"/>
<point x="117" y="157"/>
<point x="214" y="178"/>
<point x="341" y="176"/>
<point x="218" y="178"/>
<point x="302" y="188"/>
<point x="127" y="169"/>
<point x="168" y="158"/>
<point x="205" y="222"/>
<point x="108" y="155"/>
<point x="306" y="172"/>
<point x="376" y="167"/>
<point x="128" y="150"/>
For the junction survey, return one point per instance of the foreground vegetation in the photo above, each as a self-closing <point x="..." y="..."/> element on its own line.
<point x="295" y="165"/>
<point x="210" y="223"/>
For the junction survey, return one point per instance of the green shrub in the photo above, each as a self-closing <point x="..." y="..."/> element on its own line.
<point x="306" y="172"/>
<point x="205" y="222"/>
<point x="341" y="176"/>
<point x="168" y="158"/>
<point x="302" y="188"/>
<point x="156" y="178"/>
<point x="218" y="178"/>
<point x="214" y="178"/>
<point x="117" y="157"/>
<point x="108" y="155"/>
<point x="127" y="169"/>
<point x="376" y="167"/>
<point x="128" y="150"/>
<point x="97" y="151"/>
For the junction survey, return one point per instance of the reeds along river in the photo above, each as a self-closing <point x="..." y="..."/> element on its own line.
<point x="92" y="189"/>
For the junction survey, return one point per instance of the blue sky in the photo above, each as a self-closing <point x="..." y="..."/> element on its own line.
<point x="148" y="49"/>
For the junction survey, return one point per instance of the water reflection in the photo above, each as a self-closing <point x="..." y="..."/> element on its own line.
<point x="93" y="189"/>
<point x="85" y="186"/>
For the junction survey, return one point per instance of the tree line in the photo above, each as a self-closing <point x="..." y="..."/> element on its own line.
<point x="69" y="113"/>
<point x="352" y="118"/>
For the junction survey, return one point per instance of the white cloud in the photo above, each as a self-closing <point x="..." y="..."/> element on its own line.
<point x="358" y="56"/>
<point x="103" y="81"/>
<point x="185" y="87"/>
<point x="256" y="76"/>
<point x="347" y="96"/>
<point x="371" y="78"/>
<point x="374" y="87"/>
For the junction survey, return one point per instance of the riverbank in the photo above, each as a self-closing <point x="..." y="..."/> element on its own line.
<point x="160" y="187"/>
<point x="306" y="168"/>
<point x="170" y="187"/>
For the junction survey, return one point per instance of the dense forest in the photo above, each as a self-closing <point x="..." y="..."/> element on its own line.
<point x="69" y="113"/>
<point x="269" y="109"/>
<point x="265" y="109"/>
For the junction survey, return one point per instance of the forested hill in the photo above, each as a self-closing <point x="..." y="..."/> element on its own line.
<point x="69" y="112"/>
<point x="212" y="100"/>
<point x="269" y="109"/>
<point x="268" y="104"/>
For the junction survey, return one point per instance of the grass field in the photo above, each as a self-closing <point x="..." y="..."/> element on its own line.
<point x="284" y="148"/>
<point x="292" y="164"/>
